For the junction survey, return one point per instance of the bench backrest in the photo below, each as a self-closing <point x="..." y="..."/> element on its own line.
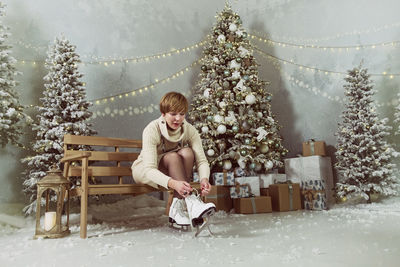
<point x="108" y="155"/>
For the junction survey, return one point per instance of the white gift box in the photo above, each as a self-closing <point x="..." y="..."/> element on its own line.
<point x="271" y="178"/>
<point x="312" y="168"/>
<point x="223" y="178"/>
<point x="239" y="191"/>
<point x="196" y="177"/>
<point x="252" y="181"/>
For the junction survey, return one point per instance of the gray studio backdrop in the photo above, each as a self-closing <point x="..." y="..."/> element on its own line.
<point x="305" y="103"/>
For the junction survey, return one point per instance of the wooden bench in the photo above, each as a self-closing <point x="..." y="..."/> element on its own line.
<point x="111" y="157"/>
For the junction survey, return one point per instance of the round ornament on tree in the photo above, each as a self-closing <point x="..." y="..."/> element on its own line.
<point x="210" y="152"/>
<point x="232" y="27"/>
<point x="204" y="129"/>
<point x="268" y="165"/>
<point x="227" y="165"/>
<point x="250" y="99"/>
<point x="221" y="129"/>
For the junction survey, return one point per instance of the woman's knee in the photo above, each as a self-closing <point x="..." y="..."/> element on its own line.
<point x="186" y="153"/>
<point x="171" y="158"/>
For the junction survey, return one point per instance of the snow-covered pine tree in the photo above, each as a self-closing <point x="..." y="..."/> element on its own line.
<point x="64" y="110"/>
<point x="397" y="116"/>
<point x="231" y="107"/>
<point x="363" y="156"/>
<point x="12" y="117"/>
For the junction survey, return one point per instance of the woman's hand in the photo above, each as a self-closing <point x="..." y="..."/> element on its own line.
<point x="205" y="186"/>
<point x="183" y="188"/>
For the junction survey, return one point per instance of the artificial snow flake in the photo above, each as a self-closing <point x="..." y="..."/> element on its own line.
<point x="236" y="75"/>
<point x="243" y="52"/>
<point x="235" y="65"/>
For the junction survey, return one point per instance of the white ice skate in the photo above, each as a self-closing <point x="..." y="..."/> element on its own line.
<point x="199" y="212"/>
<point x="178" y="215"/>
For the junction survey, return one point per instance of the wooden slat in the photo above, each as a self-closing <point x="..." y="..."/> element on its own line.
<point x="101" y="171"/>
<point x="136" y="189"/>
<point x="101" y="141"/>
<point x="75" y="156"/>
<point x="105" y="156"/>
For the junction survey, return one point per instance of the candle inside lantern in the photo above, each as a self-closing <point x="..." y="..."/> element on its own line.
<point x="49" y="220"/>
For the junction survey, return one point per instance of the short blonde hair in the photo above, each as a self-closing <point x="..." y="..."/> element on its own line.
<point x="174" y="102"/>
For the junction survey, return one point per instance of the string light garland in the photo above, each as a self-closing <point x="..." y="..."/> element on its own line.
<point x="321" y="47"/>
<point x="134" y="92"/>
<point x="114" y="60"/>
<point x="333" y="36"/>
<point x="315" y="69"/>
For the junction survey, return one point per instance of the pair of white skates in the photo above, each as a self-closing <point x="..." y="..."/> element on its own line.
<point x="191" y="211"/>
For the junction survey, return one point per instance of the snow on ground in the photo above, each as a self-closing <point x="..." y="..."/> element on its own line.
<point x="135" y="232"/>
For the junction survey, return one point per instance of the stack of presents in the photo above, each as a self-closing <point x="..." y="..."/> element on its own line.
<point x="306" y="184"/>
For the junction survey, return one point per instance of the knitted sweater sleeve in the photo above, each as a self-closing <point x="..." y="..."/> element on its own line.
<point x="151" y="138"/>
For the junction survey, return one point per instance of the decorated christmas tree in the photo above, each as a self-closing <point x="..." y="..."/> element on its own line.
<point x="397" y="116"/>
<point x="231" y="107"/>
<point x="12" y="117"/>
<point x="64" y="110"/>
<point x="363" y="156"/>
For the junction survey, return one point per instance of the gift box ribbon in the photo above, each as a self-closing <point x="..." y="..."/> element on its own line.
<point x="225" y="175"/>
<point x="253" y="204"/>
<point x="310" y="195"/>
<point x="312" y="146"/>
<point x="217" y="196"/>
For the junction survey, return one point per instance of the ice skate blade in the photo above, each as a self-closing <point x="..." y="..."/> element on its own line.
<point x="200" y="228"/>
<point x="176" y="226"/>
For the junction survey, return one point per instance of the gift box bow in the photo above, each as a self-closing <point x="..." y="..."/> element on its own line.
<point x="311" y="194"/>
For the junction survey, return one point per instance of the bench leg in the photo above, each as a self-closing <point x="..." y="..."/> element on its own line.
<point x="169" y="202"/>
<point x="84" y="198"/>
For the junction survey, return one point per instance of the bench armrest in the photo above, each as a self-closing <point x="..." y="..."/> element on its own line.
<point x="82" y="155"/>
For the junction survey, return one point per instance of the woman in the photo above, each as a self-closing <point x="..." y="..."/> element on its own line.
<point x="170" y="148"/>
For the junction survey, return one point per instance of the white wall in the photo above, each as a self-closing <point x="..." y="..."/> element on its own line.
<point x="129" y="29"/>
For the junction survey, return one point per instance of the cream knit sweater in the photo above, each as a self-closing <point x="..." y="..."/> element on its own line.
<point x="158" y="140"/>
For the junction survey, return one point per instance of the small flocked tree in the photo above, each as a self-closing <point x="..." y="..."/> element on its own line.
<point x="12" y="117"/>
<point x="397" y="116"/>
<point x="64" y="110"/>
<point x="363" y="156"/>
<point x="231" y="107"/>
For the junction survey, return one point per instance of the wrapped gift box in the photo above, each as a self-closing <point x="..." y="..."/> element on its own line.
<point x="264" y="191"/>
<point x="271" y="178"/>
<point x="220" y="196"/>
<point x="252" y="181"/>
<point x="252" y="205"/>
<point x="196" y="177"/>
<point x="313" y="192"/>
<point x="223" y="178"/>
<point x="239" y="191"/>
<point x="312" y="168"/>
<point x="314" y="148"/>
<point x="285" y="197"/>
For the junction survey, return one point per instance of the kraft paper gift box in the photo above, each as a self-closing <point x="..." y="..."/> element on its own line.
<point x="312" y="168"/>
<point x="264" y="191"/>
<point x="314" y="148"/>
<point x="252" y="205"/>
<point x="220" y="196"/>
<point x="239" y="191"/>
<point x="223" y="178"/>
<point x="271" y="178"/>
<point x="252" y="181"/>
<point x="314" y="195"/>
<point x="285" y="197"/>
